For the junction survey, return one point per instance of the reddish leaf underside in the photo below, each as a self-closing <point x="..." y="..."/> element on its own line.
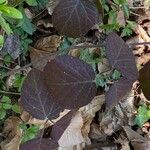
<point x="71" y="81"/>
<point x="74" y="18"/>
<point x="36" y="99"/>
<point x="144" y="79"/>
<point x="121" y="58"/>
<point x="39" y="144"/>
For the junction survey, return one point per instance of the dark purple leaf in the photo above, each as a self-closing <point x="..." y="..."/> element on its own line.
<point x="39" y="144"/>
<point x="74" y="18"/>
<point x="121" y="57"/>
<point x="145" y="80"/>
<point x="71" y="81"/>
<point x="117" y="91"/>
<point x="11" y="46"/>
<point x="36" y="98"/>
<point x="61" y="125"/>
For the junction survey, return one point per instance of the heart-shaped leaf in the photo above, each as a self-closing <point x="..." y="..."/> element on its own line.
<point x="39" y="144"/>
<point x="117" y="91"/>
<point x="36" y="98"/>
<point x="145" y="80"/>
<point x="71" y="81"/>
<point x="121" y="57"/>
<point x="74" y="18"/>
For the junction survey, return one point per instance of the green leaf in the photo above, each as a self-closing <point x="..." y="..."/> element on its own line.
<point x="5" y="26"/>
<point x="16" y="108"/>
<point x="116" y="75"/>
<point x="7" y="59"/>
<point x="99" y="80"/>
<point x="6" y="99"/>
<point x="126" y="32"/>
<point x="142" y="116"/>
<point x="1" y="40"/>
<point x="18" y="82"/>
<point x="2" y="1"/>
<point x="11" y="12"/>
<point x="2" y="114"/>
<point x="29" y="133"/>
<point x="26" y="24"/>
<point x="31" y="2"/>
<point x="6" y="106"/>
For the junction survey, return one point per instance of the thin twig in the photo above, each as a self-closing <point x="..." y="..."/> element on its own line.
<point x="5" y="67"/>
<point x="56" y="53"/>
<point x="12" y="93"/>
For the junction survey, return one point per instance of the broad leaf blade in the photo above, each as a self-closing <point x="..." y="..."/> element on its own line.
<point x="121" y="57"/>
<point x="61" y="125"/>
<point x="71" y="81"/>
<point x="75" y="17"/>
<point x="39" y="144"/>
<point x="118" y="91"/>
<point x="144" y="79"/>
<point x="36" y="98"/>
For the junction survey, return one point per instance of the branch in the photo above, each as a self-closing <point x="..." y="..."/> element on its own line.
<point x="56" y="53"/>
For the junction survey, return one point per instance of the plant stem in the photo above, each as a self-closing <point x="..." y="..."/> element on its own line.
<point x="56" y="53"/>
<point x="12" y="93"/>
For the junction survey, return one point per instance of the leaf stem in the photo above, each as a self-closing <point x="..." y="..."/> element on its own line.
<point x="7" y="92"/>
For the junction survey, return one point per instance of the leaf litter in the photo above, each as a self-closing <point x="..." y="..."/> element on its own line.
<point x="83" y="127"/>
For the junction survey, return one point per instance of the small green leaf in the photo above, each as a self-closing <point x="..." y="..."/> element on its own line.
<point x="11" y="12"/>
<point x="2" y="114"/>
<point x="16" y="108"/>
<point x="5" y="26"/>
<point x="6" y="106"/>
<point x="26" y="24"/>
<point x="1" y="40"/>
<point x="6" y="99"/>
<point x="142" y="115"/>
<point x="2" y="1"/>
<point x="99" y="80"/>
<point x="31" y="2"/>
<point x="7" y="59"/>
<point x="116" y="75"/>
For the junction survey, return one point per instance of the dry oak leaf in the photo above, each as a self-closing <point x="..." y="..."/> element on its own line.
<point x="13" y="134"/>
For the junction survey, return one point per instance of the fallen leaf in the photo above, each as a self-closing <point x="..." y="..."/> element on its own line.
<point x="12" y="46"/>
<point x="36" y="54"/>
<point x="13" y="134"/>
<point x="76" y="134"/>
<point x="104" y="66"/>
<point x="49" y="44"/>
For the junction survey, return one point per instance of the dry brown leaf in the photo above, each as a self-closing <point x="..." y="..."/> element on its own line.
<point x="132" y="135"/>
<point x="52" y="4"/>
<point x="142" y="33"/>
<point x="36" y="54"/>
<point x="121" y="18"/>
<point x="141" y="145"/>
<point x="76" y="134"/>
<point x="104" y="66"/>
<point x="13" y="134"/>
<point x="49" y="44"/>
